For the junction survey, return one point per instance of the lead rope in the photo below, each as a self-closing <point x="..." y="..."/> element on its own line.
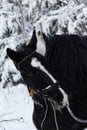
<point x="55" y="118"/>
<point x="42" y="123"/>
<point x="74" y="117"/>
<point x="66" y="104"/>
<point x="25" y="58"/>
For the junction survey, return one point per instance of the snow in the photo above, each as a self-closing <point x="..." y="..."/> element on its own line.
<point x="16" y="105"/>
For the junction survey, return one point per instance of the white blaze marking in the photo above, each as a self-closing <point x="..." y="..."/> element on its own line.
<point x="40" y="47"/>
<point x="65" y="97"/>
<point x="37" y="64"/>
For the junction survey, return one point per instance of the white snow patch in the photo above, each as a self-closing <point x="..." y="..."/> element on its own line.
<point x="15" y="103"/>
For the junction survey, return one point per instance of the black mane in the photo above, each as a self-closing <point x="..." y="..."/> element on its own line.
<point x="67" y="58"/>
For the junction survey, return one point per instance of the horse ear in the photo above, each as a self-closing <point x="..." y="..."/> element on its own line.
<point x="33" y="36"/>
<point x="12" y="54"/>
<point x="33" y="41"/>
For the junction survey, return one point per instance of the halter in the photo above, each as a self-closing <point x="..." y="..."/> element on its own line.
<point x="25" y="58"/>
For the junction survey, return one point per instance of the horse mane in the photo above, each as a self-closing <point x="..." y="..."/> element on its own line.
<point x="66" y="55"/>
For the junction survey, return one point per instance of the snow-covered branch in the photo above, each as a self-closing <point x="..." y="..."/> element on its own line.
<point x="13" y="120"/>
